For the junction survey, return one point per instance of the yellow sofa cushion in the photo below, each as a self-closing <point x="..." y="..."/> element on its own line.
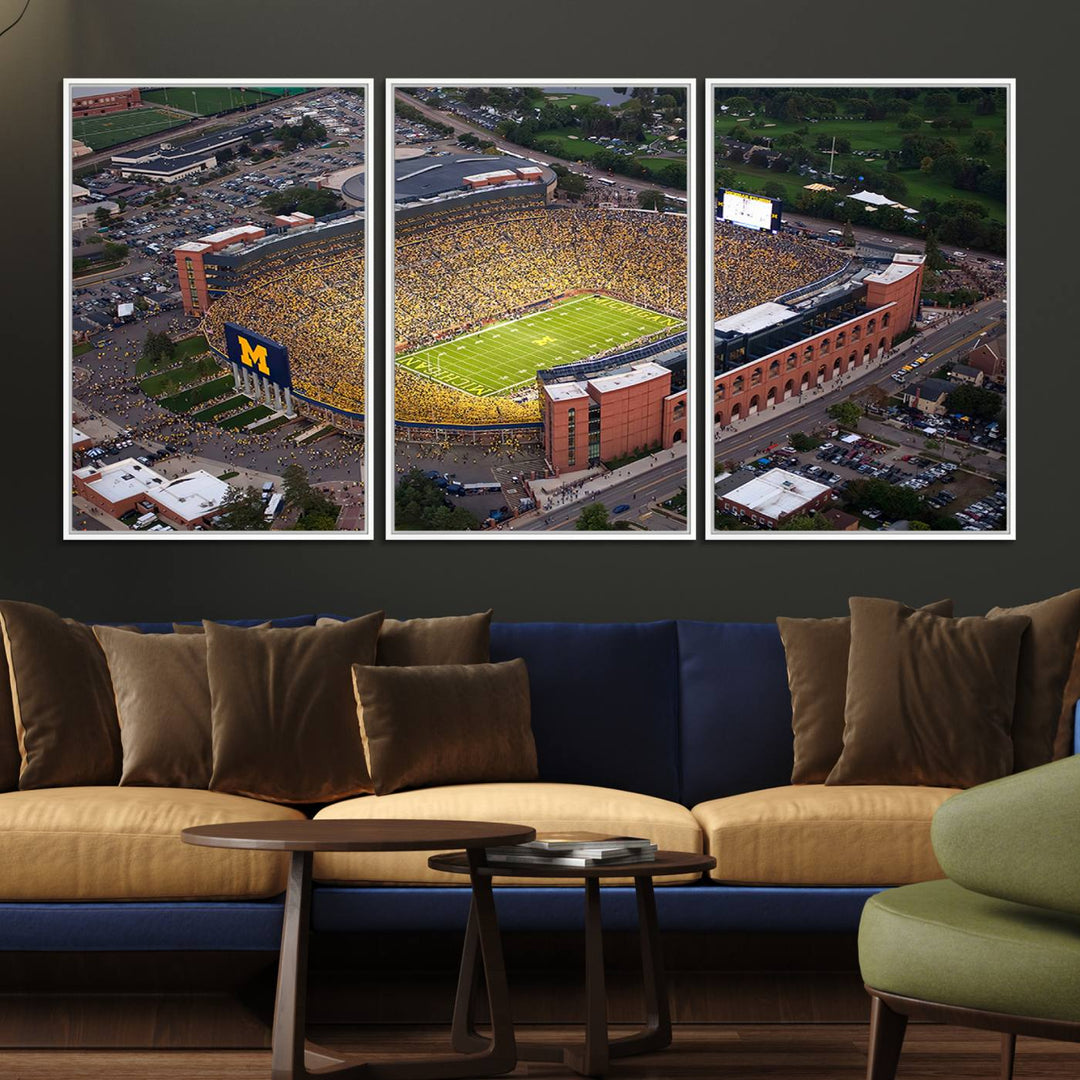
<point x="546" y="807"/>
<point x="811" y="834"/>
<point x="123" y="843"/>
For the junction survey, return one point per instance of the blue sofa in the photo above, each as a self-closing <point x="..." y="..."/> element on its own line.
<point x="681" y="711"/>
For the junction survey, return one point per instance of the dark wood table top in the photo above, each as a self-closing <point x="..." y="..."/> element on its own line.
<point x="375" y="834"/>
<point x="666" y="862"/>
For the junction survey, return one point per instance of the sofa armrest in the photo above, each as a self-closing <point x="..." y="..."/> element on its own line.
<point x="1017" y="838"/>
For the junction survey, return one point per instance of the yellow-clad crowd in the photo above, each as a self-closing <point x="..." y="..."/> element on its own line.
<point x="752" y="268"/>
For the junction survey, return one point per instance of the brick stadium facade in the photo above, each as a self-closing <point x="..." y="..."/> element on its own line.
<point x="823" y="343"/>
<point x="611" y="415"/>
<point x="102" y="104"/>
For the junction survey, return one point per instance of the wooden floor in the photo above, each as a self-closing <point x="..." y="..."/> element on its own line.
<point x="700" y="1052"/>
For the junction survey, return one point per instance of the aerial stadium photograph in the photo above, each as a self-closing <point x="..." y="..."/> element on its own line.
<point x="861" y="348"/>
<point x="539" y="309"/>
<point x="217" y="284"/>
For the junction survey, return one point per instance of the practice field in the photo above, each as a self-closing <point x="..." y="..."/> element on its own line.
<point x="205" y="100"/>
<point x="101" y="132"/>
<point x="507" y="355"/>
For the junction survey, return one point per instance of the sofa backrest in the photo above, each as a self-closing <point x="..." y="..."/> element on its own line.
<point x="166" y="627"/>
<point x="735" y="710"/>
<point x="605" y="701"/>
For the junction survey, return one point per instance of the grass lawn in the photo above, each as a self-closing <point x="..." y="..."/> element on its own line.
<point x="176" y="378"/>
<point x="573" y="100"/>
<point x="751" y="179"/>
<point x="212" y="411"/>
<point x="508" y="354"/>
<point x="101" y="132"/>
<point x="82" y="347"/>
<point x="184" y="349"/>
<point x="248" y="416"/>
<point x="196" y="395"/>
<point x="205" y="100"/>
<point x="920" y="186"/>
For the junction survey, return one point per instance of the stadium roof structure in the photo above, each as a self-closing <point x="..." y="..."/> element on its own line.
<point x="418" y="179"/>
<point x="895" y="271"/>
<point x="760" y="317"/>
<point x="776" y="494"/>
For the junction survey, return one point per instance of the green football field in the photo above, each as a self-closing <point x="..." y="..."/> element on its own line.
<point x="508" y="354"/>
<point x="101" y="132"/>
<point x="205" y="100"/>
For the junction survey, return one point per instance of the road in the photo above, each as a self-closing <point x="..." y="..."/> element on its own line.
<point x="660" y="482"/>
<point x="461" y="126"/>
<point x="943" y="343"/>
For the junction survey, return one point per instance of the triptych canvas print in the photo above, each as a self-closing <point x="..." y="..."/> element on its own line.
<point x="555" y="354"/>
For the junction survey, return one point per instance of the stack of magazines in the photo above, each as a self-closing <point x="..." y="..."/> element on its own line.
<point x="575" y="849"/>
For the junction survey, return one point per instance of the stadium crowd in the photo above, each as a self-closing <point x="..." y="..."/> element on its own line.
<point x="314" y="305"/>
<point x="753" y="268"/>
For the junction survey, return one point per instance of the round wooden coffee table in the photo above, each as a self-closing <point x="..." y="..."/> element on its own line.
<point x="591" y="1058"/>
<point x="291" y="1057"/>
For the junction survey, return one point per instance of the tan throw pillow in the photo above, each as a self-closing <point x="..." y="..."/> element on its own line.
<point x="197" y="628"/>
<point x="929" y="700"/>
<point x="1046" y="658"/>
<point x="9" y="739"/>
<point x="816" y="651"/>
<point x="163" y="703"/>
<point x="1064" y="740"/>
<point x="452" y="639"/>
<point x="282" y="710"/>
<point x="65" y="717"/>
<point x="445" y="724"/>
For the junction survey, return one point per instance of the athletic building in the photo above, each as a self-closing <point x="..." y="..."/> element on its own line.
<point x="774" y="351"/>
<point x="109" y="102"/>
<point x="771" y="498"/>
<point x="610" y="415"/>
<point x="127" y="485"/>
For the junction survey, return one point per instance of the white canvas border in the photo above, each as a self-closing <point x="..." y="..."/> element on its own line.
<point x="371" y="195"/>
<point x="706" y="490"/>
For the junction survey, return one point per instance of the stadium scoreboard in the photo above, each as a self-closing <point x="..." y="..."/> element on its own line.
<point x="251" y="350"/>
<point x="750" y="211"/>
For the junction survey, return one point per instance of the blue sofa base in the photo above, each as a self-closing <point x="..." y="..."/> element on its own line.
<point x="254" y="926"/>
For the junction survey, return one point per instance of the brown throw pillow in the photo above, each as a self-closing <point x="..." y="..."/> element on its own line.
<point x="1046" y="657"/>
<point x="445" y="724"/>
<point x="65" y="717"/>
<point x="453" y="639"/>
<point x="163" y="703"/>
<point x="197" y="628"/>
<point x="282" y="710"/>
<point x="929" y="699"/>
<point x="1065" y="738"/>
<point x="9" y="739"/>
<point x="817" y="661"/>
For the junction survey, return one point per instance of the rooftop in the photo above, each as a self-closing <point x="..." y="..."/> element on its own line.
<point x="895" y="271"/>
<point x="430" y="177"/>
<point x="633" y="376"/>
<point x="756" y="318"/>
<point x="189" y="497"/>
<point x="565" y="391"/>
<point x="776" y="493"/>
<point x="932" y="389"/>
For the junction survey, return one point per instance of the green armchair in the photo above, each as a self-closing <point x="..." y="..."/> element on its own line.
<point x="997" y="944"/>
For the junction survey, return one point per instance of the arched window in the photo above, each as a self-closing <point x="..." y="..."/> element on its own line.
<point x="755" y="377"/>
<point x="824" y="346"/>
<point x="871" y="326"/>
<point x="737" y="385"/>
<point x="884" y="320"/>
<point x="720" y="391"/>
<point x="792" y="361"/>
<point x="841" y="339"/>
<point x="774" y="369"/>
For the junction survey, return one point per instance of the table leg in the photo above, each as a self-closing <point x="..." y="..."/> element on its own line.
<point x="294" y="1059"/>
<point x="592" y="1059"/>
<point x="290" y="1012"/>
<point x="464" y="1037"/>
<point x="657" y="1031"/>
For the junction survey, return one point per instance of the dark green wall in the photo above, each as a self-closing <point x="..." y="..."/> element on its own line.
<point x="305" y="39"/>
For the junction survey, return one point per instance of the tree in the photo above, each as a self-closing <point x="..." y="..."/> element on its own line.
<point x="935" y="260"/>
<point x="317" y="511"/>
<point x="593" y="518"/>
<point x="846" y="413"/>
<point x="651" y="199"/>
<point x="974" y="401"/>
<point x="102" y="216"/>
<point x="158" y="347"/>
<point x="306" y="200"/>
<point x="918" y="526"/>
<point x="805" y="523"/>
<point x="114" y="252"/>
<point x="571" y="183"/>
<point x="243" y="510"/>
<point x="802" y="443"/>
<point x="419" y="504"/>
<point x="773" y="189"/>
<point x="848" y="239"/>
